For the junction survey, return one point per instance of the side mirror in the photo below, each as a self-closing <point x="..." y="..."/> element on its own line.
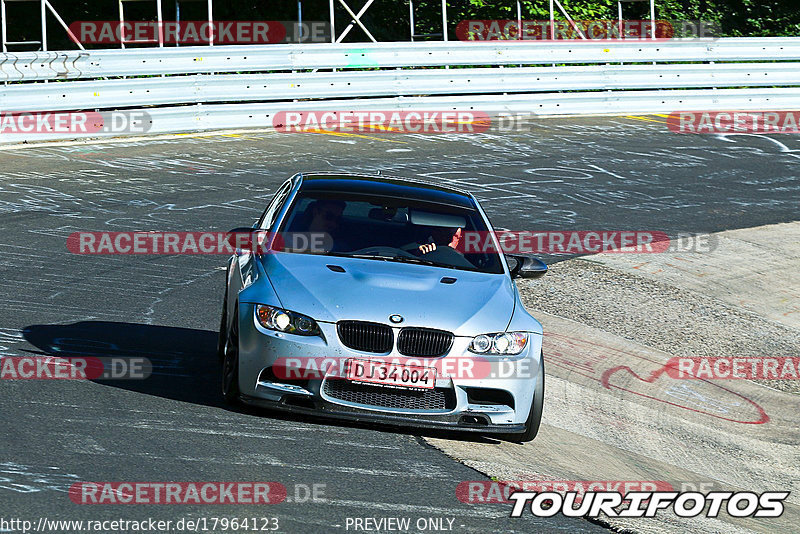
<point x="525" y="266"/>
<point x="243" y="238"/>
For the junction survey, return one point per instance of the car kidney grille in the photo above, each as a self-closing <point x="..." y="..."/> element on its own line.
<point x="369" y="337"/>
<point x="426" y="399"/>
<point x="424" y="342"/>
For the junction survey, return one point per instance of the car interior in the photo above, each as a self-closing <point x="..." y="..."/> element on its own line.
<point x="379" y="226"/>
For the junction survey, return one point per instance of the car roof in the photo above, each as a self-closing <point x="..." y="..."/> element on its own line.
<point x="378" y="185"/>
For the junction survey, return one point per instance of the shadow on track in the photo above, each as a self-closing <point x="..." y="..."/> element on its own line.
<point x="185" y="366"/>
<point x="183" y="359"/>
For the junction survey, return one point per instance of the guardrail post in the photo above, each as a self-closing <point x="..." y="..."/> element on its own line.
<point x="333" y="22"/>
<point x="444" y="20"/>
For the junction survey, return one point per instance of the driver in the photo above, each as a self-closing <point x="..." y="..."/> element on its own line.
<point x="325" y="215"/>
<point x="324" y="219"/>
<point x="441" y="236"/>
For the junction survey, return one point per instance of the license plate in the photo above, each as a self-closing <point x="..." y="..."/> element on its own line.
<point x="391" y="374"/>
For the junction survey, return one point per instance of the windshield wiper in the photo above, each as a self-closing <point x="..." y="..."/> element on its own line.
<point x="401" y="259"/>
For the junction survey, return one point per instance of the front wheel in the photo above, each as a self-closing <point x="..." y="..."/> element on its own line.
<point x="535" y="415"/>
<point x="230" y="363"/>
<point x="222" y="338"/>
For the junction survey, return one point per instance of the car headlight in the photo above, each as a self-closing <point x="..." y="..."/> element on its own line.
<point x="285" y="321"/>
<point x="499" y="343"/>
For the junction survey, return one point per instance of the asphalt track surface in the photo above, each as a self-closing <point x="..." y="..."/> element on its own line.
<point x="576" y="174"/>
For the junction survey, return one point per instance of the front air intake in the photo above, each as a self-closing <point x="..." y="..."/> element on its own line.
<point x="364" y="336"/>
<point x="424" y="342"/>
<point x="406" y="399"/>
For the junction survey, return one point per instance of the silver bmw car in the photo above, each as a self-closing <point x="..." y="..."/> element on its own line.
<point x="384" y="300"/>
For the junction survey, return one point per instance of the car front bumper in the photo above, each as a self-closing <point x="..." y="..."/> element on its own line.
<point x="498" y="401"/>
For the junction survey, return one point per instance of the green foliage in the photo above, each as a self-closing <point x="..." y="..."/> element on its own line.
<point x="736" y="18"/>
<point x="389" y="19"/>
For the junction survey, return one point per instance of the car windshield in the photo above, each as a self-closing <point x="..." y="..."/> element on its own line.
<point x="385" y="229"/>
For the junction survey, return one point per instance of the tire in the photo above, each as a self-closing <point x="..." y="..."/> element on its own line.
<point x="223" y="328"/>
<point x="230" y="363"/>
<point x="534" y="417"/>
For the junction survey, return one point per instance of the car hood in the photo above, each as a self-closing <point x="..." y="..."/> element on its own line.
<point x="372" y="290"/>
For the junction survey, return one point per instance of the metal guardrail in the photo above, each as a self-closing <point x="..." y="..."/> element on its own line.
<point x="613" y="77"/>
<point x="287" y="86"/>
<point x="173" y="119"/>
<point x="34" y="66"/>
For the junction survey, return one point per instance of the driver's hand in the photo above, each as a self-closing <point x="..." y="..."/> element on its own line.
<point x="430" y="247"/>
